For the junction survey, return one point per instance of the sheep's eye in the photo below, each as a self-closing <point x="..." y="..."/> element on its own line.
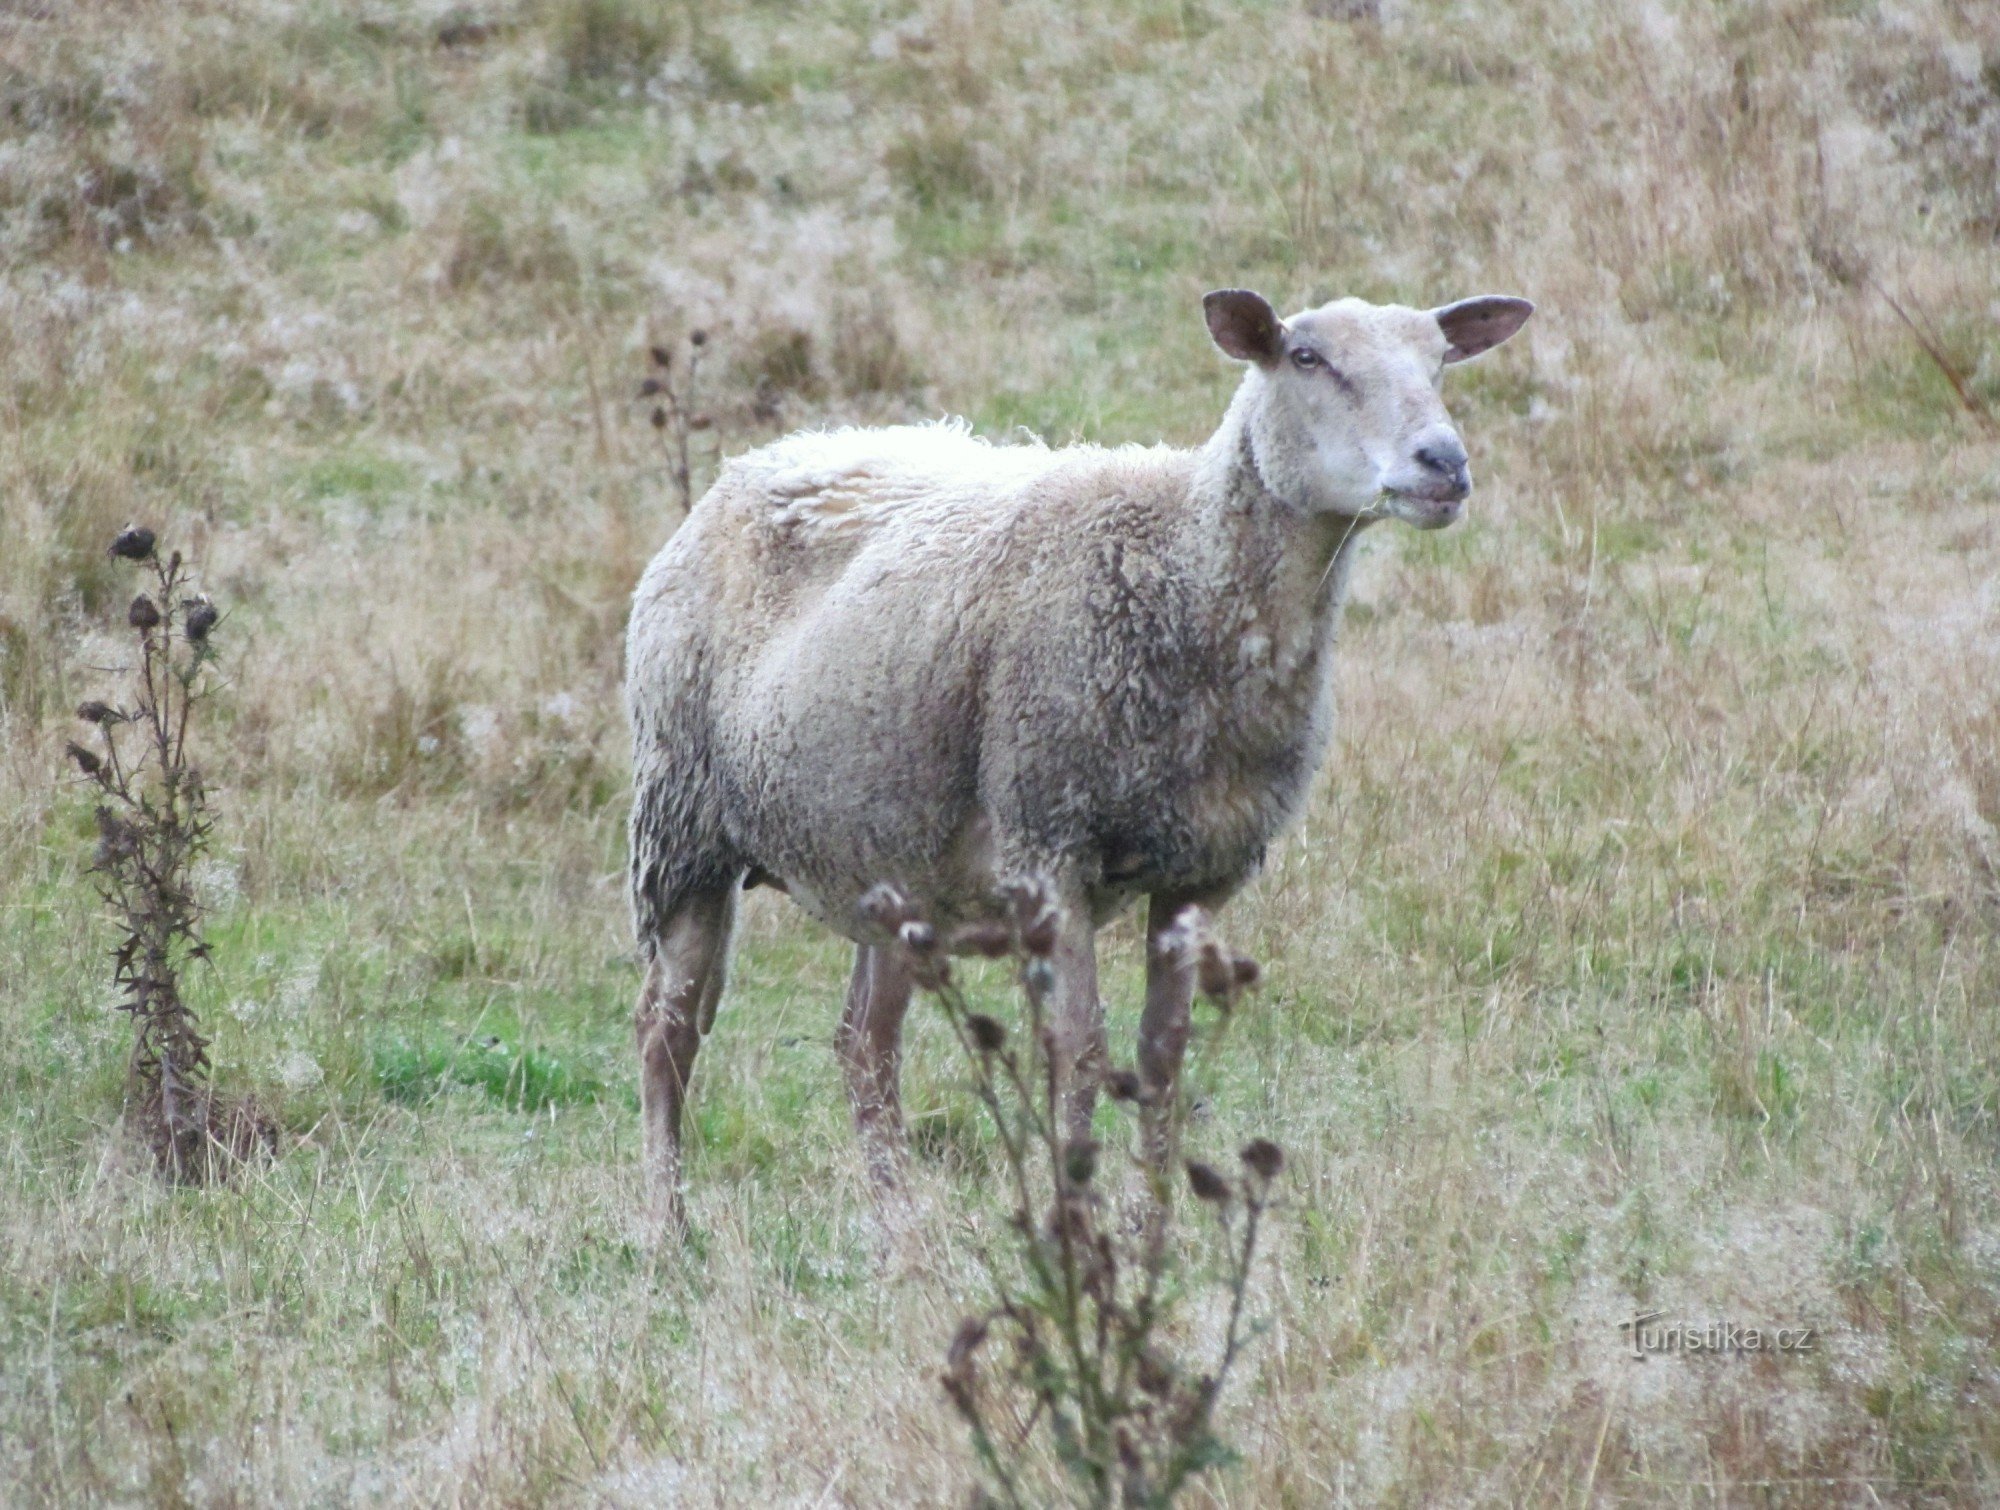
<point x="1305" y="358"/>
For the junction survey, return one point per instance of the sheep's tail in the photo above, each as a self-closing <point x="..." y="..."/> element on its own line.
<point x="677" y="837"/>
<point x="650" y="869"/>
<point x="677" y="848"/>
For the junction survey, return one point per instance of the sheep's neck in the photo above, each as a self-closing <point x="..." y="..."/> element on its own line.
<point x="1295" y="558"/>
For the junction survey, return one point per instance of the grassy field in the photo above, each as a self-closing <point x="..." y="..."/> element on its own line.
<point x="1638" y="952"/>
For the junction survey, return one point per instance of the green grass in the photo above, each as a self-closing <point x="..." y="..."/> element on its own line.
<point x="511" y="1076"/>
<point x="1636" y="949"/>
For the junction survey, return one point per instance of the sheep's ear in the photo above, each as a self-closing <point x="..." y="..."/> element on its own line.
<point x="1474" y="325"/>
<point x="1244" y="324"/>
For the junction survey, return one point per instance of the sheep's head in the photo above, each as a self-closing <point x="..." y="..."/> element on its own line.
<point x="1344" y="410"/>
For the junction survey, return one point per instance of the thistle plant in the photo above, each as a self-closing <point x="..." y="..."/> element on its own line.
<point x="674" y="385"/>
<point x="153" y="825"/>
<point x="1082" y="1339"/>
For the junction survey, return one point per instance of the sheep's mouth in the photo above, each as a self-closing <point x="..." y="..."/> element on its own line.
<point x="1427" y="508"/>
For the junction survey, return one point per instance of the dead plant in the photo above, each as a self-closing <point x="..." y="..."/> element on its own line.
<point x="1084" y="1338"/>
<point x="153" y="825"/>
<point x="677" y="417"/>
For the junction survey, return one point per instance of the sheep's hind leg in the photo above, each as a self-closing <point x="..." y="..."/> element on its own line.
<point x="870" y="1045"/>
<point x="676" y="1007"/>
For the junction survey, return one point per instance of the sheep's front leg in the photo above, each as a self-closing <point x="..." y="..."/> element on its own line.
<point x="1077" y="1019"/>
<point x="1165" y="1024"/>
<point x="870" y="1045"/>
<point x="684" y="978"/>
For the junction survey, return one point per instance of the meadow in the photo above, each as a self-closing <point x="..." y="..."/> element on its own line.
<point x="1638" y="952"/>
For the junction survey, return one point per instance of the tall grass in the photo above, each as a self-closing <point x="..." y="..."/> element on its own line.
<point x="1637" y="949"/>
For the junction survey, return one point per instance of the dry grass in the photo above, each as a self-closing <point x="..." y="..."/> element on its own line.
<point x="1638" y="951"/>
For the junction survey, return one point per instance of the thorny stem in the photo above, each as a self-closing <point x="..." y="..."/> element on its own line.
<point x="1927" y="340"/>
<point x="1036" y="1119"/>
<point x="150" y="837"/>
<point x="1123" y="1432"/>
<point x="684" y="473"/>
<point x="675" y="418"/>
<point x="1233" y="1339"/>
<point x="1168" y="1121"/>
<point x="956" y="1012"/>
<point x="1048" y="1117"/>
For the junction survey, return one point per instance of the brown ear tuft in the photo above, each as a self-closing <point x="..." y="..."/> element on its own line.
<point x="1474" y="325"/>
<point x="1244" y="325"/>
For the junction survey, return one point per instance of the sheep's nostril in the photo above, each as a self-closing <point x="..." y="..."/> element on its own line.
<point x="1446" y="459"/>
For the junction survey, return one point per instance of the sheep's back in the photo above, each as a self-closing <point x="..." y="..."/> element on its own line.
<point x="865" y="626"/>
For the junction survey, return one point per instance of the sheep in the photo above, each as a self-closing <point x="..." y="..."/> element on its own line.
<point x="907" y="655"/>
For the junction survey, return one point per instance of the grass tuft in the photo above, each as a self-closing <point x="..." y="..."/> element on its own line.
<point x="1636" y="950"/>
<point x="512" y="1076"/>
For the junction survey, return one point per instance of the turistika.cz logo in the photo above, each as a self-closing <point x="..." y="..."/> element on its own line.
<point x="1651" y="1333"/>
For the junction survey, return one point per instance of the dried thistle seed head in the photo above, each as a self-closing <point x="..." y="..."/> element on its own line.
<point x="201" y="616"/>
<point x="1123" y="1085"/>
<point x="115" y="837"/>
<point x="1206" y="1184"/>
<point x="883" y="906"/>
<point x="1027" y="896"/>
<point x="659" y="419"/>
<point x="958" y="1389"/>
<point x="143" y="614"/>
<point x="927" y="964"/>
<point x="663" y="356"/>
<point x="986" y="1033"/>
<point x="1262" y="1158"/>
<point x="1038" y="936"/>
<point x="989" y="939"/>
<point x="965" y="1342"/>
<point x="697" y="338"/>
<point x="134" y="543"/>
<point x="650" y="387"/>
<point x="1080" y="1160"/>
<point x="1212" y="972"/>
<point x="86" y="760"/>
<point x="95" y="712"/>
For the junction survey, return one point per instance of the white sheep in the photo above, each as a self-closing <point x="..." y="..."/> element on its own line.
<point x="905" y="655"/>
